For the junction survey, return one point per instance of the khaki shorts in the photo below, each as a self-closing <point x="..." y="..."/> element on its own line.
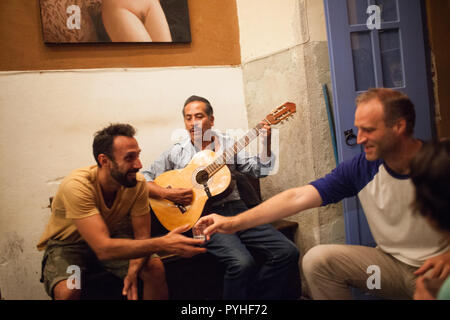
<point x="61" y="258"/>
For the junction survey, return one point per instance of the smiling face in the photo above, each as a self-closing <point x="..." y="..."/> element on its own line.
<point x="125" y="163"/>
<point x="196" y="120"/>
<point x="378" y="140"/>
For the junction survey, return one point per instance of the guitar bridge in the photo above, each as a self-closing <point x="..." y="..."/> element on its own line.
<point x="181" y="207"/>
<point x="208" y="192"/>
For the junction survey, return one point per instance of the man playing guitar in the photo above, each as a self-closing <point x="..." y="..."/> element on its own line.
<point x="243" y="278"/>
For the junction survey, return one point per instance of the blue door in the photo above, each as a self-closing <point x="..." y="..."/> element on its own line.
<point x="374" y="43"/>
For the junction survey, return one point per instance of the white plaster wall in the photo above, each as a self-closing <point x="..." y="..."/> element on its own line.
<point x="47" y="123"/>
<point x="315" y="12"/>
<point x="268" y="26"/>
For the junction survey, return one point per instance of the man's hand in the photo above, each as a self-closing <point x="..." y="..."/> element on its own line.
<point x="130" y="286"/>
<point x="179" y="195"/>
<point x="266" y="131"/>
<point x="440" y="265"/>
<point x="266" y="134"/>
<point x="175" y="242"/>
<point x="215" y="223"/>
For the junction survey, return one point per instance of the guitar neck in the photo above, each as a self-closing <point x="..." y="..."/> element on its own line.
<point x="228" y="155"/>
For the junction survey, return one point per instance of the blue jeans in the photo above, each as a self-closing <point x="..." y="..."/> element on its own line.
<point x="278" y="275"/>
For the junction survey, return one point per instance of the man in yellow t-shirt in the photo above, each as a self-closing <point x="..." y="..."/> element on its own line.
<point x="96" y="213"/>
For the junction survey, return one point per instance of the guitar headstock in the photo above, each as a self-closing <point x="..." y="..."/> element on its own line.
<point x="281" y="113"/>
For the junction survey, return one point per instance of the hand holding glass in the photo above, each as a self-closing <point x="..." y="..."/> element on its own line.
<point x="197" y="231"/>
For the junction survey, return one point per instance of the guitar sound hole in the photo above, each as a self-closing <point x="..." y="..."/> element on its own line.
<point x="202" y="177"/>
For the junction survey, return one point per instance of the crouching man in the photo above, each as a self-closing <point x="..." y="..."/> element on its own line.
<point x="101" y="217"/>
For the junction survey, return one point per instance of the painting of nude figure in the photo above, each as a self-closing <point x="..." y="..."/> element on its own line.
<point x="77" y="21"/>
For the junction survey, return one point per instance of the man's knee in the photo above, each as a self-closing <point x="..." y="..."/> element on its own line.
<point x="288" y="254"/>
<point x="291" y="252"/>
<point x="317" y="258"/>
<point x="62" y="292"/>
<point x="243" y="266"/>
<point x="153" y="270"/>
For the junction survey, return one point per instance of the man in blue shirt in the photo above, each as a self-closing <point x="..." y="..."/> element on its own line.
<point x="243" y="279"/>
<point x="406" y="245"/>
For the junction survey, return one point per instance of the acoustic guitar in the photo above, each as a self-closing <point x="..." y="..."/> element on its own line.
<point x="207" y="175"/>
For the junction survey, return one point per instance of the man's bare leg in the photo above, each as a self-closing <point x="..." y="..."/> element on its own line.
<point x="154" y="278"/>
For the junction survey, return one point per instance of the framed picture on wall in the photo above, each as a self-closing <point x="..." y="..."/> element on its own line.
<point x="81" y="21"/>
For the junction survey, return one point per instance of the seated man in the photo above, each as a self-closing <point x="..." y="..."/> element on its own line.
<point x="380" y="178"/>
<point x="430" y="173"/>
<point x="242" y="279"/>
<point x="94" y="213"/>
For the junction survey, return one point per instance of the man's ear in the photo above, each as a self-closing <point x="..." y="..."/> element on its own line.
<point x="400" y="126"/>
<point x="212" y="121"/>
<point x="103" y="159"/>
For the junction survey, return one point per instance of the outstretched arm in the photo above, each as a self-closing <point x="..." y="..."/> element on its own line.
<point x="282" y="205"/>
<point x="95" y="232"/>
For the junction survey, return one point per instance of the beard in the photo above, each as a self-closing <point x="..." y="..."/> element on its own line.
<point x="122" y="178"/>
<point x="387" y="147"/>
<point x="382" y="148"/>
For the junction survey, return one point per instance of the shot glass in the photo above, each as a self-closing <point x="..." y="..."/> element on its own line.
<point x="197" y="231"/>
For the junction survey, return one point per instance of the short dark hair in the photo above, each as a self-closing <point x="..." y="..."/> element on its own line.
<point x="104" y="139"/>
<point x="430" y="174"/>
<point x="395" y="105"/>
<point x="208" y="108"/>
